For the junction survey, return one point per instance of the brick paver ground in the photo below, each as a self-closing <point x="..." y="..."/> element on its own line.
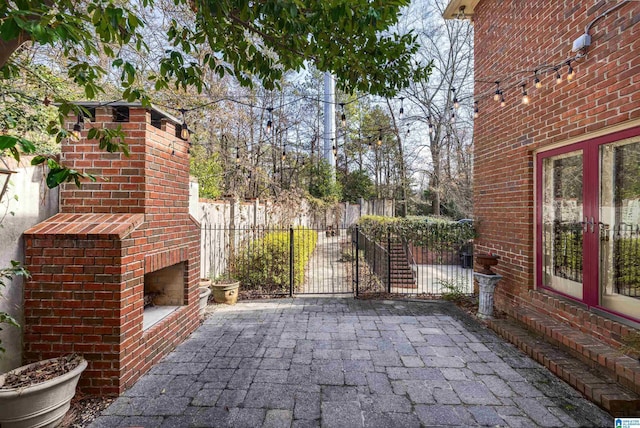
<point x="340" y="362"/>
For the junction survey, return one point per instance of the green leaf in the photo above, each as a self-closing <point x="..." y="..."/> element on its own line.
<point x="8" y="141"/>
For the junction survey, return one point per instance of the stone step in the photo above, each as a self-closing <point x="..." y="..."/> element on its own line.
<point x="596" y="385"/>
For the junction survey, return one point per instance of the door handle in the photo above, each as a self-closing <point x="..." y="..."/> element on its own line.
<point x="588" y="222"/>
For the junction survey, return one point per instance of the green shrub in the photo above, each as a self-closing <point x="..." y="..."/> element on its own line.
<point x="264" y="264"/>
<point x="438" y="236"/>
<point x="627" y="263"/>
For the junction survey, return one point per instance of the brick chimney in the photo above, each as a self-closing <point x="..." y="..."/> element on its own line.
<point x="117" y="243"/>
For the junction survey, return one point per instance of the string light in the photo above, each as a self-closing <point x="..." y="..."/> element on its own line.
<point x="571" y="73"/>
<point x="237" y="155"/>
<point x="284" y="154"/>
<point x="184" y="130"/>
<point x="476" y="110"/>
<point x="496" y="95"/>
<point x="537" y="81"/>
<point x="408" y="130"/>
<point x="558" y="76"/>
<point x="77" y="127"/>
<point x="502" y="101"/>
<point x="401" y="107"/>
<point x="269" y="121"/>
<point x="380" y="137"/>
<point x="525" y="96"/>
<point x="369" y="142"/>
<point x="343" y="118"/>
<point x="456" y="104"/>
<point x="452" y="119"/>
<point x="430" y="125"/>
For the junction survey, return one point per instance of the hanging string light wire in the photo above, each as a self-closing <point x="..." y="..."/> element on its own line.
<point x="498" y="92"/>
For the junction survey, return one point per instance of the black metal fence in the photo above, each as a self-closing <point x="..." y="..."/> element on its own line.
<point x="626" y="257"/>
<point x="296" y="260"/>
<point x="437" y="260"/>
<point x="279" y="260"/>
<point x="567" y="250"/>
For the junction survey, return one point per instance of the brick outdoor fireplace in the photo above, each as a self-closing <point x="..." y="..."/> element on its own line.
<point x="117" y="243"/>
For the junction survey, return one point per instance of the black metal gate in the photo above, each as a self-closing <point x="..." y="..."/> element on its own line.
<point x="280" y="260"/>
<point x="299" y="260"/>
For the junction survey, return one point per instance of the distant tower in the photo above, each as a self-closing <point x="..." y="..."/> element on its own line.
<point x="330" y="120"/>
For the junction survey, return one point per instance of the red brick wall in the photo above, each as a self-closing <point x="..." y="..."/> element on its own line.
<point x="88" y="262"/>
<point x="521" y="35"/>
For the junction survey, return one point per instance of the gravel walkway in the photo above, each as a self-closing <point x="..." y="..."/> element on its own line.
<point x="340" y="362"/>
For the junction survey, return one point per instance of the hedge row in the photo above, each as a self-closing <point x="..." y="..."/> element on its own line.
<point x="437" y="236"/>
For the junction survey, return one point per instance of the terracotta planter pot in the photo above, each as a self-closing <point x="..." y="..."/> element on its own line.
<point x="40" y="405"/>
<point x="205" y="292"/>
<point x="226" y="292"/>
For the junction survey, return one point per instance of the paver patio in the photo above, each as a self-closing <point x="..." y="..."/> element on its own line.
<point x="340" y="362"/>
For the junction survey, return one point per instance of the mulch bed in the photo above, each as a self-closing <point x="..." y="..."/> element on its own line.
<point x="84" y="410"/>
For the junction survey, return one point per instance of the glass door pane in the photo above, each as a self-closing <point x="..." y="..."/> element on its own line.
<point x="620" y="227"/>
<point x="562" y="227"/>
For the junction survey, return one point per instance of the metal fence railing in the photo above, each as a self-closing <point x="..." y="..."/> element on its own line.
<point x="626" y="259"/>
<point x="298" y="260"/>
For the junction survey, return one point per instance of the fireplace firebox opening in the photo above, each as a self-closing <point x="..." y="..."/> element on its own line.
<point x="164" y="292"/>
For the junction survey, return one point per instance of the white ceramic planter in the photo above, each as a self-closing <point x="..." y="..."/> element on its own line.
<point x="40" y="405"/>
<point x="205" y="292"/>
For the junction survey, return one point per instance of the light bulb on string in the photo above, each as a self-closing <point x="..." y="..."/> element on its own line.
<point x="369" y="142"/>
<point x="343" y="117"/>
<point x="571" y="73"/>
<point x="536" y="81"/>
<point x="502" y="100"/>
<point x="380" y="137"/>
<point x="430" y="125"/>
<point x="558" y="76"/>
<point x="401" y="107"/>
<point x="237" y="155"/>
<point x="269" y="121"/>
<point x="525" y="96"/>
<point x="77" y="127"/>
<point x="476" y="110"/>
<point x="452" y="119"/>
<point x="456" y="104"/>
<point x="184" y="129"/>
<point x="284" y="155"/>
<point x="408" y="130"/>
<point x="496" y="95"/>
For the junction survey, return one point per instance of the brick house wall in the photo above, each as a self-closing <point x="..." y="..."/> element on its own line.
<point x="88" y="262"/>
<point x="603" y="98"/>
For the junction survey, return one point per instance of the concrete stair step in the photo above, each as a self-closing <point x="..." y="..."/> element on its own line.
<point x="596" y="385"/>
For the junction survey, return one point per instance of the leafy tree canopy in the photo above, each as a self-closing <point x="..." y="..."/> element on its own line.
<point x="356" y="184"/>
<point x="253" y="41"/>
<point x="322" y="185"/>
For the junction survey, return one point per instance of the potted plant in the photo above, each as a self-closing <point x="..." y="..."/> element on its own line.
<point x="38" y="394"/>
<point x="226" y="291"/>
<point x="205" y="292"/>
